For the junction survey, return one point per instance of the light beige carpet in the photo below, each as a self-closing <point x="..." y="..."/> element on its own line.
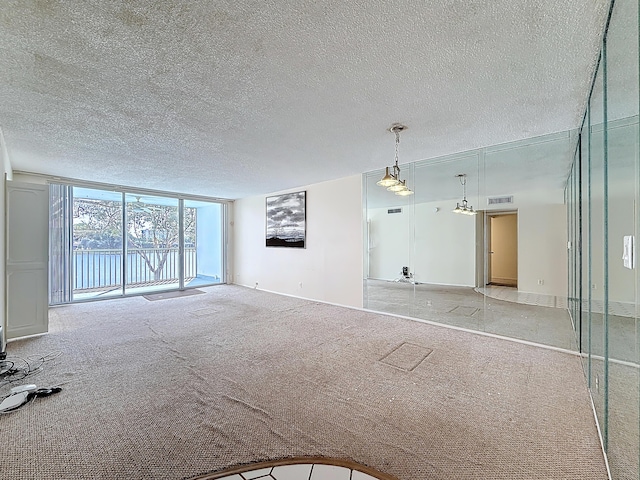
<point x="175" y="294"/>
<point x="191" y="385"/>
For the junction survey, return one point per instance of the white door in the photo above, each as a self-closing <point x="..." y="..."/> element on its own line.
<point x="27" y="259"/>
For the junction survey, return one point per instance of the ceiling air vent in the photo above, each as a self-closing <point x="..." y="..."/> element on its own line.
<point x="500" y="200"/>
<point x="394" y="210"/>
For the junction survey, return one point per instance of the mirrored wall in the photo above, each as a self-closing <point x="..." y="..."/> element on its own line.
<point x="603" y="194"/>
<point x="498" y="267"/>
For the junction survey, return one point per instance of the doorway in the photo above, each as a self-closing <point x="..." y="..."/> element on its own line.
<point x="502" y="248"/>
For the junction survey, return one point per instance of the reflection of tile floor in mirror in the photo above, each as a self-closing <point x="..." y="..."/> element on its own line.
<point x="504" y="311"/>
<point x="510" y="294"/>
<point x="466" y="308"/>
<point x="619" y="309"/>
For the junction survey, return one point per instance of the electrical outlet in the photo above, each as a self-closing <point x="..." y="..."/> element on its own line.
<point x="593" y="287"/>
<point x="540" y="282"/>
<point x="300" y="284"/>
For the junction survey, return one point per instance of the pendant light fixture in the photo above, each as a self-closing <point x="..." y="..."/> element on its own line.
<point x="391" y="179"/>
<point x="464" y="208"/>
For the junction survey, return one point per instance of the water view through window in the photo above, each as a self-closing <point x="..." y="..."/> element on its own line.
<point x="127" y="243"/>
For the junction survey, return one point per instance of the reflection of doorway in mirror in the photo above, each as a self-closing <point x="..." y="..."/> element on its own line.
<point x="503" y="249"/>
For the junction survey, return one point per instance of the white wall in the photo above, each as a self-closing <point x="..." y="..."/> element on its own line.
<point x="328" y="269"/>
<point x="445" y="246"/>
<point x="444" y="249"/>
<point x="542" y="249"/>
<point x="389" y="246"/>
<point x="621" y="222"/>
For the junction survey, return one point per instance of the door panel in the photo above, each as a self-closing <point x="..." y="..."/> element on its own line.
<point x="27" y="258"/>
<point x="27" y="302"/>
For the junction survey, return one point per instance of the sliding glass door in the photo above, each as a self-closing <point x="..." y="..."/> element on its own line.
<point x="203" y="243"/>
<point x="97" y="243"/>
<point x="152" y="243"/>
<point x="111" y="243"/>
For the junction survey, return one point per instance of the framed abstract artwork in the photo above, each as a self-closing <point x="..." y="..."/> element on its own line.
<point x="287" y="220"/>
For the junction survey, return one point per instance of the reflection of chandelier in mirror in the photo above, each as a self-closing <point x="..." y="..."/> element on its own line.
<point x="463" y="207"/>
<point x="391" y="180"/>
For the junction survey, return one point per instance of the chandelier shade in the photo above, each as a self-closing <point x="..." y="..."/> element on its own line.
<point x="463" y="207"/>
<point x="388" y="180"/>
<point x="405" y="192"/>
<point x="391" y="180"/>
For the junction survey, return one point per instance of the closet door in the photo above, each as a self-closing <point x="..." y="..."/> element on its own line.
<point x="27" y="256"/>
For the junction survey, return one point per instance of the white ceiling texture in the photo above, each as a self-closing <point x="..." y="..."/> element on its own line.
<point x="237" y="98"/>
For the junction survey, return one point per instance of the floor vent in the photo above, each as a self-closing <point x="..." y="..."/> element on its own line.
<point x="466" y="311"/>
<point x="394" y="210"/>
<point x="406" y="356"/>
<point x="499" y="200"/>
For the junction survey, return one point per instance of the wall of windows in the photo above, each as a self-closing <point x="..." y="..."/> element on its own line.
<point x="603" y="199"/>
<point x="108" y="243"/>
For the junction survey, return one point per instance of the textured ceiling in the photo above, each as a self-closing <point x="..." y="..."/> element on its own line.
<point x="236" y="98"/>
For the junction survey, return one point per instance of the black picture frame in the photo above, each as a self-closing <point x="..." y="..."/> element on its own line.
<point x="287" y="220"/>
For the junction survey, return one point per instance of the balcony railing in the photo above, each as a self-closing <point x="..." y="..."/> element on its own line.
<point x="98" y="269"/>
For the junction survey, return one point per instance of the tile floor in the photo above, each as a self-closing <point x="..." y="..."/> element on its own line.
<point x="510" y="294"/>
<point x="466" y="308"/>
<point x="301" y="472"/>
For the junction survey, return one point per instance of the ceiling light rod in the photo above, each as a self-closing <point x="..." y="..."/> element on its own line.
<point x="464" y="208"/>
<point x="391" y="180"/>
